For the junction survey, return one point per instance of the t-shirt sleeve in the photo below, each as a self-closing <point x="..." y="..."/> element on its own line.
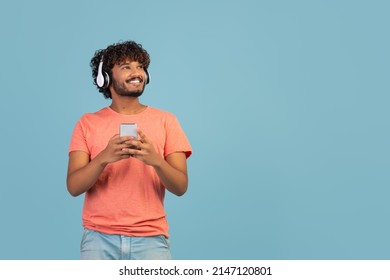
<point x="78" y="141"/>
<point x="176" y="140"/>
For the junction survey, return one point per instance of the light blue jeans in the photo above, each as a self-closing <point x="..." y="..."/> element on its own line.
<point x="100" y="246"/>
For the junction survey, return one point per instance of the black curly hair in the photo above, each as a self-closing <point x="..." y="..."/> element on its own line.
<point x="115" y="54"/>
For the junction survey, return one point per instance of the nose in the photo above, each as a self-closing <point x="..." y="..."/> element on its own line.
<point x="135" y="71"/>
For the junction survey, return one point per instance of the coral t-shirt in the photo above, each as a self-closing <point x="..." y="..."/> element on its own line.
<point x="128" y="197"/>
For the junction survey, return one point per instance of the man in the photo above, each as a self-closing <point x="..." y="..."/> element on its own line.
<point x="124" y="178"/>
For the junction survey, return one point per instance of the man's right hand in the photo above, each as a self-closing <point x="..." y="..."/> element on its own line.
<point x="114" y="150"/>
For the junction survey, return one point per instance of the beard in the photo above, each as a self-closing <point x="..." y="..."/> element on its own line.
<point x="121" y="90"/>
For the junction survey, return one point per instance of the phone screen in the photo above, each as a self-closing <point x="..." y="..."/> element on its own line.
<point x="128" y="129"/>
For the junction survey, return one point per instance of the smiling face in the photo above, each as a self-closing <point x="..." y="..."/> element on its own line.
<point x="129" y="78"/>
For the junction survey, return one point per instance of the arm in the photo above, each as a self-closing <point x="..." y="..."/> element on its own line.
<point x="172" y="171"/>
<point x="83" y="172"/>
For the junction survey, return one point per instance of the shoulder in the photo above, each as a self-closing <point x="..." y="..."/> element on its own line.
<point x="95" y="116"/>
<point x="160" y="113"/>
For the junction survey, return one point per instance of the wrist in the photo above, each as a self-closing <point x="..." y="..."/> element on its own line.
<point x="159" y="162"/>
<point x="101" y="161"/>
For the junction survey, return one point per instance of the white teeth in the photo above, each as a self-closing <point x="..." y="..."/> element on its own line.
<point x="135" y="81"/>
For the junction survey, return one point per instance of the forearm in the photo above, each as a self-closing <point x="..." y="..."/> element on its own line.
<point x="81" y="180"/>
<point x="174" y="180"/>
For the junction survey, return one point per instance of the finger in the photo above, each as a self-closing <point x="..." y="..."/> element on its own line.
<point x="122" y="146"/>
<point x="142" y="136"/>
<point x="125" y="156"/>
<point x="115" y="139"/>
<point x="124" y="152"/>
<point x="114" y="136"/>
<point x="131" y="151"/>
<point x="124" y="139"/>
<point x="137" y="154"/>
<point x="133" y="143"/>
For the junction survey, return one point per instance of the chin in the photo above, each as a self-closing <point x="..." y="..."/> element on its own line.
<point x="121" y="90"/>
<point x="136" y="93"/>
<point x="130" y="93"/>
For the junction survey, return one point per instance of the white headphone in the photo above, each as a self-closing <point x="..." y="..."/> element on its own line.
<point x="103" y="79"/>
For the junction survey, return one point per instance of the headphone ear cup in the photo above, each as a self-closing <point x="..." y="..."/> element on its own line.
<point x="147" y="76"/>
<point x="106" y="80"/>
<point x="102" y="78"/>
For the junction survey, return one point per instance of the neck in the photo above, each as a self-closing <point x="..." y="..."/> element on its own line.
<point x="127" y="105"/>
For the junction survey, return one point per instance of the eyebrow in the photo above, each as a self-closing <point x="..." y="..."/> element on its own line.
<point x="128" y="63"/>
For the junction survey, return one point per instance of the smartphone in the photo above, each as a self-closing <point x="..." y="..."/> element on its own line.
<point x="128" y="129"/>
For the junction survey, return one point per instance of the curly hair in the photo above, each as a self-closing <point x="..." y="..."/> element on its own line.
<point x="115" y="54"/>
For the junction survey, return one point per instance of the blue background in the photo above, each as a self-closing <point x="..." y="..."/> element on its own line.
<point x="286" y="105"/>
